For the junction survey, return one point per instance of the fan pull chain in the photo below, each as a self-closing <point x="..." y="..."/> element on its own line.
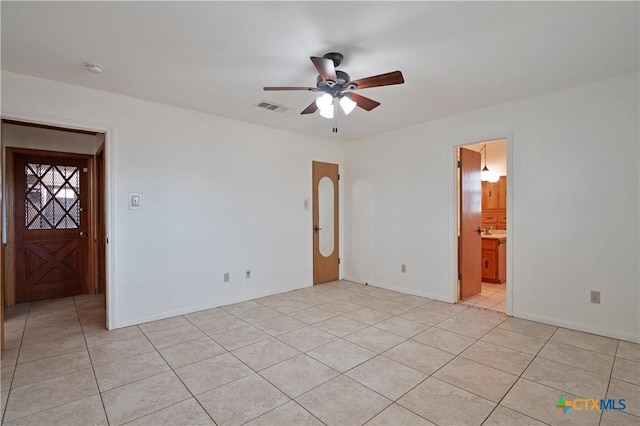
<point x="335" y="116"/>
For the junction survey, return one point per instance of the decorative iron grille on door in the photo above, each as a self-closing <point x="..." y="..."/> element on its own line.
<point x="52" y="196"/>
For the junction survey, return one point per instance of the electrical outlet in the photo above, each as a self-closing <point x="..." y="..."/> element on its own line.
<point x="595" y="296"/>
<point x="226" y="277"/>
<point x="403" y="268"/>
<point x="248" y="273"/>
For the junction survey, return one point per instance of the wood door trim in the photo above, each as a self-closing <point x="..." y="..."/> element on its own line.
<point x="98" y="224"/>
<point x="2" y="255"/>
<point x="10" y="277"/>
<point x="45" y="153"/>
<point x="10" y="265"/>
<point x="49" y="127"/>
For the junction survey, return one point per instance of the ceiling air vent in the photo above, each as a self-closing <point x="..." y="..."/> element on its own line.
<point x="271" y="106"/>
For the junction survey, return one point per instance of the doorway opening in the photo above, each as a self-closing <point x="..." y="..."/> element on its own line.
<point x="482" y="225"/>
<point x="54" y="212"/>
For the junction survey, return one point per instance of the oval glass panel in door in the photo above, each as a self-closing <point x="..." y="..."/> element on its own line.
<point x="325" y="216"/>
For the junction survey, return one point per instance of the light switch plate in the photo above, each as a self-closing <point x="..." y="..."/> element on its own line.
<point x="135" y="201"/>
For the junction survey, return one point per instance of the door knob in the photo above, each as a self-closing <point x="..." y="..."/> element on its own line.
<point x="316" y="228"/>
<point x="479" y="230"/>
<point x="83" y="234"/>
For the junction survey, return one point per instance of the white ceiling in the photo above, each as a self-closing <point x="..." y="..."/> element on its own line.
<point x="215" y="57"/>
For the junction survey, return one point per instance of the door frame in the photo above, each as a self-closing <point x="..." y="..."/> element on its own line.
<point x="108" y="132"/>
<point x="454" y="213"/>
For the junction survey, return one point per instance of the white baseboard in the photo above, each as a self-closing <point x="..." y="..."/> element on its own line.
<point x="615" y="334"/>
<point x="218" y="303"/>
<point x="396" y="288"/>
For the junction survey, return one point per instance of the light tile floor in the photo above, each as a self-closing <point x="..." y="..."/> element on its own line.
<point x="337" y="354"/>
<point x="492" y="296"/>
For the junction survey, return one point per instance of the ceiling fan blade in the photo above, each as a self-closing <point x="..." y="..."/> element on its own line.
<point x="387" y="79"/>
<point x="310" y="109"/>
<point x="362" y="102"/>
<point x="325" y="68"/>
<point x="311" y="89"/>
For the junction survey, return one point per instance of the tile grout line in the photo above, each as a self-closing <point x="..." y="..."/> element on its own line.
<point x="239" y="360"/>
<point x="524" y="378"/>
<point x="174" y="373"/>
<point x="15" y="366"/>
<point x="339" y="373"/>
<point x="51" y="378"/>
<point x="366" y="325"/>
<point x="456" y="356"/>
<point x="84" y="337"/>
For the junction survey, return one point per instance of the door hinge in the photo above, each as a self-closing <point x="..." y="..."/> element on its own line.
<point x="459" y="276"/>
<point x="338" y="176"/>
<point x="338" y="261"/>
<point x="459" y="163"/>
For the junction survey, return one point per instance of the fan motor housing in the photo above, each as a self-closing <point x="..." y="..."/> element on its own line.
<point x="336" y="57"/>
<point x="343" y="79"/>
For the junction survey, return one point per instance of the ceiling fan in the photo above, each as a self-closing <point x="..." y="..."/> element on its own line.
<point x="337" y="87"/>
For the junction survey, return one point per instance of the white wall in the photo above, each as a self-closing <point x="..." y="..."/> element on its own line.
<point x="574" y="205"/>
<point x="223" y="196"/>
<point x="218" y="196"/>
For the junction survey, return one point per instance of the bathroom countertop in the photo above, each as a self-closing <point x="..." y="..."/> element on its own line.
<point x="501" y="237"/>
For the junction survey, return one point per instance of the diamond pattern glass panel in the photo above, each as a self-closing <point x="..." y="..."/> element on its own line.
<point x="52" y="194"/>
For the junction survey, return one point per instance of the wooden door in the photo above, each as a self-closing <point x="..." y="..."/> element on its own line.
<point x="470" y="221"/>
<point x="51" y="216"/>
<point x="325" y="222"/>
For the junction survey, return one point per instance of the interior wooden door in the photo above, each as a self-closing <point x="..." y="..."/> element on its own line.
<point x="470" y="224"/>
<point x="326" y="256"/>
<point x="51" y="214"/>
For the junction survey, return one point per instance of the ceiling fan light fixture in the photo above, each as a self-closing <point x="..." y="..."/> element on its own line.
<point x="327" y="112"/>
<point x="347" y="104"/>
<point x="325" y="105"/>
<point x="336" y="88"/>
<point x="325" y="102"/>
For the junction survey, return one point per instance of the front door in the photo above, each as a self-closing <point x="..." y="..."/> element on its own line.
<point x="51" y="225"/>
<point x="325" y="222"/>
<point x="470" y="249"/>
